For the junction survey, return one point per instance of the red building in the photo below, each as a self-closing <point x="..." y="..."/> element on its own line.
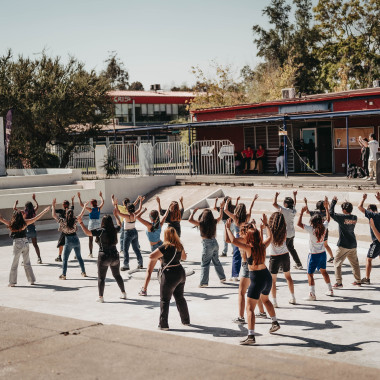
<point x="325" y="120"/>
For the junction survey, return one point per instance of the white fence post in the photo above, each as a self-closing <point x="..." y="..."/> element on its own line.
<point x="100" y="155"/>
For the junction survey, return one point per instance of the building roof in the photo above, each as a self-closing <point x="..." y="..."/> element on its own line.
<point x="298" y="100"/>
<point x="159" y="93"/>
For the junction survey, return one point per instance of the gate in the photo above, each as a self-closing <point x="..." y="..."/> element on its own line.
<point x="212" y="157"/>
<point x="171" y="158"/>
<point x="127" y="157"/>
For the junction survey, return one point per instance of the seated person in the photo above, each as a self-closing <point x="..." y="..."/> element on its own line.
<point x="260" y="157"/>
<point x="247" y="154"/>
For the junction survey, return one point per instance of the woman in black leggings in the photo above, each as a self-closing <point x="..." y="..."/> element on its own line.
<point x="261" y="279"/>
<point x="173" y="277"/>
<point x="106" y="237"/>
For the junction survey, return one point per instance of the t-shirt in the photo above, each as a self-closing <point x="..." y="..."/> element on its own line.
<point x="347" y="223"/>
<point x="316" y="245"/>
<point x="260" y="153"/>
<point x="247" y="153"/>
<point x="168" y="253"/>
<point x="123" y="210"/>
<point x="376" y="218"/>
<point x="289" y="214"/>
<point x="276" y="250"/>
<point x="102" y="238"/>
<point x="373" y="148"/>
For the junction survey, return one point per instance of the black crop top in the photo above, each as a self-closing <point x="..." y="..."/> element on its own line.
<point x="18" y="234"/>
<point x="102" y="238"/>
<point x="250" y="259"/>
<point x="168" y="253"/>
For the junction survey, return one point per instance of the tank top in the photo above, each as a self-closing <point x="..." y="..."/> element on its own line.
<point x="129" y="225"/>
<point x="154" y="236"/>
<point x="18" y="234"/>
<point x="95" y="213"/>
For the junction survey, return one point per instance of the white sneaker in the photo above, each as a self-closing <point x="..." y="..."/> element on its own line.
<point x="365" y="177"/>
<point x="330" y="293"/>
<point x="123" y="296"/>
<point x="311" y="297"/>
<point x="275" y="304"/>
<point x="369" y="179"/>
<point x="202" y="286"/>
<point x="292" y="301"/>
<point x="100" y="300"/>
<point x="236" y="279"/>
<point x="223" y="281"/>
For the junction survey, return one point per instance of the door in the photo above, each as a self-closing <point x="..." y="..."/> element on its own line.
<point x="309" y="136"/>
<point x="324" y="151"/>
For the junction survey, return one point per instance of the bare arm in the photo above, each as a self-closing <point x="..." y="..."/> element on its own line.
<point x="15" y="205"/>
<point x="83" y="210"/>
<point x="183" y="255"/>
<point x="158" y="203"/>
<point x="39" y="216"/>
<point x="143" y="221"/>
<point x="235" y="241"/>
<point x="72" y="201"/>
<point x="35" y="201"/>
<point x="84" y="228"/>
<point x="268" y="240"/>
<point x="230" y="214"/>
<point x="118" y="221"/>
<point x="374" y="229"/>
<point x="361" y="205"/>
<point x="275" y="204"/>
<point x="164" y="217"/>
<point x="365" y="143"/>
<point x="326" y="204"/>
<point x="250" y="207"/>
<point x="141" y="202"/>
<point x="300" y="224"/>
<point x="307" y="207"/>
<point x="191" y="219"/>
<point x="295" y="197"/>
<point x="81" y="203"/>
<point x="102" y="200"/>
<point x="237" y="201"/>
<point x="2" y="220"/>
<point x="216" y="204"/>
<point x="220" y="215"/>
<point x="53" y="213"/>
<point x="181" y="202"/>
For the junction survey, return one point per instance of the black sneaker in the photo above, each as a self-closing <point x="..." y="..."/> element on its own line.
<point x="59" y="258"/>
<point x="140" y="267"/>
<point x="223" y="255"/>
<point x="275" y="327"/>
<point x="365" y="281"/>
<point x="239" y="320"/>
<point x="330" y="260"/>
<point x="124" y="268"/>
<point x="248" y="341"/>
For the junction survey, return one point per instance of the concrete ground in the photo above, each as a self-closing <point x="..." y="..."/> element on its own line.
<point x="343" y="329"/>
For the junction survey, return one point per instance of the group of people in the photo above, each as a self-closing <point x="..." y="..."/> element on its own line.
<point x="251" y="240"/>
<point x="244" y="159"/>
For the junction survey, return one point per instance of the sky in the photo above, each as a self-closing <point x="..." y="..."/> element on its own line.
<point x="157" y="40"/>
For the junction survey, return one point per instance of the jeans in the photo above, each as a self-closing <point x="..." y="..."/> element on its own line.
<point x="173" y="283"/>
<point x="21" y="247"/>
<point x="210" y="253"/>
<point x="236" y="257"/>
<point x="280" y="164"/>
<point x="71" y="242"/>
<point x="122" y="240"/>
<point x="225" y="248"/>
<point x="105" y="260"/>
<point x="131" y="237"/>
<point x="292" y="251"/>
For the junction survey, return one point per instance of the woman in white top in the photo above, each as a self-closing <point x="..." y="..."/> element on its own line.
<point x="317" y="257"/>
<point x="279" y="255"/>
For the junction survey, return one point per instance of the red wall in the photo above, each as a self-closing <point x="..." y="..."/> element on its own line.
<point x="356" y="104"/>
<point x="233" y="133"/>
<point x="151" y="100"/>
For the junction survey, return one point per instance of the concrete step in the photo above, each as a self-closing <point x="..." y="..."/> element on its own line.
<point x="31" y="190"/>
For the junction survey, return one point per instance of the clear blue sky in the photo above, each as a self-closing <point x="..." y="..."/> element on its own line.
<point x="158" y="40"/>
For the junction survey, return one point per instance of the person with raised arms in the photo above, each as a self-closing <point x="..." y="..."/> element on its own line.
<point x="173" y="219"/>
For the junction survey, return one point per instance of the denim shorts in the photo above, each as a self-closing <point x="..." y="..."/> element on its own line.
<point x="31" y="231"/>
<point x="244" y="270"/>
<point x="93" y="224"/>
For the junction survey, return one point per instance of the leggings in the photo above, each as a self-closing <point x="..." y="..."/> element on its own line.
<point x="105" y="260"/>
<point x="173" y="283"/>
<point x="261" y="283"/>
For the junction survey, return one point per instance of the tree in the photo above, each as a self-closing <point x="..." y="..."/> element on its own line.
<point x="349" y="47"/>
<point x="136" y="86"/>
<point x="52" y="103"/>
<point x="116" y="72"/>
<point x="183" y="87"/>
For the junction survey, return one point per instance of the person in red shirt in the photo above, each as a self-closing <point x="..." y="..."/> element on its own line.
<point x="247" y="157"/>
<point x="260" y="156"/>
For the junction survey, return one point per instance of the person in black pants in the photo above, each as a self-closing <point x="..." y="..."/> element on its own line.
<point x="106" y="237"/>
<point x="173" y="277"/>
<point x="364" y="155"/>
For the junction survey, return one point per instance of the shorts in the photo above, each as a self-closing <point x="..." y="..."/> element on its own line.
<point x="93" y="224"/>
<point x="279" y="261"/>
<point x="31" y="231"/>
<point x="261" y="283"/>
<point x="155" y="246"/>
<point x="61" y="240"/>
<point x="326" y="235"/>
<point x="374" y="250"/>
<point x="316" y="261"/>
<point x="244" y="270"/>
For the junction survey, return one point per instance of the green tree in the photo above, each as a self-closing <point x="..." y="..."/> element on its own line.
<point x="52" y="103"/>
<point x="136" y="86"/>
<point x="349" y="48"/>
<point x="116" y="72"/>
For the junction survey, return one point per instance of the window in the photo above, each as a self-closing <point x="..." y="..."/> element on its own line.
<point x="162" y="108"/>
<point x="175" y="109"/>
<point x="144" y="109"/>
<point x="168" y="109"/>
<point x="156" y="108"/>
<point x="118" y="109"/>
<point x="150" y="109"/>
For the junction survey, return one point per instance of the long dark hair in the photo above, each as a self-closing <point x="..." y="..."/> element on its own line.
<point x="70" y="218"/>
<point x="253" y="238"/>
<point x="277" y="226"/>
<point x="289" y="202"/>
<point x="241" y="213"/>
<point x="110" y="230"/>
<point x="320" y="206"/>
<point x="317" y="223"/>
<point x="230" y="206"/>
<point x="155" y="216"/>
<point x="29" y="210"/>
<point x="174" y="211"/>
<point x="17" y="222"/>
<point x="207" y="224"/>
<point x="131" y="208"/>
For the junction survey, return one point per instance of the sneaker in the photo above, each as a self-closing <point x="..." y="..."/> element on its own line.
<point x="11" y="285"/>
<point x="143" y="292"/>
<point x="261" y="315"/>
<point x="186" y="324"/>
<point x="62" y="277"/>
<point x="330" y="293"/>
<point x="123" y="296"/>
<point x="275" y="326"/>
<point x="100" y="300"/>
<point x="369" y="179"/>
<point x="163" y="328"/>
<point x="248" y="341"/>
<point x="330" y="260"/>
<point x="91" y="255"/>
<point x="58" y="259"/>
<point x="239" y="320"/>
<point x="365" y="177"/>
<point x="311" y="297"/>
<point x="223" y="255"/>
<point x="366" y="281"/>
<point x="75" y="258"/>
<point x="355" y="283"/>
<point x="292" y="301"/>
<point x="39" y="261"/>
<point x="140" y="267"/>
<point x="124" y="268"/>
<point x="83" y="274"/>
<point x="202" y="285"/>
<point x="32" y="283"/>
<point x="275" y="304"/>
<point x="338" y="285"/>
<point x="298" y="266"/>
<point x="223" y="281"/>
<point x="236" y="279"/>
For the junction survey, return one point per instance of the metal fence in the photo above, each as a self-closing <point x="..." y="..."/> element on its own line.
<point x="212" y="157"/>
<point x="127" y="157"/>
<point x="171" y="158"/>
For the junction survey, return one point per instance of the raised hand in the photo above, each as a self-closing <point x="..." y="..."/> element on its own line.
<point x="264" y="220"/>
<point x="72" y="198"/>
<point x="100" y="194"/>
<point x="277" y="194"/>
<point x="365" y="196"/>
<point x="54" y="202"/>
<point x="326" y="203"/>
<point x="158" y="199"/>
<point x="238" y="198"/>
<point x="34" y="197"/>
<point x="304" y="209"/>
<point x="255" y="197"/>
<point x="295" y="192"/>
<point x="335" y="198"/>
<point x="305" y="200"/>
<point x="228" y="223"/>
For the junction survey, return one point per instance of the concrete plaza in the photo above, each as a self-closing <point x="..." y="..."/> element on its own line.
<point x="343" y="329"/>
